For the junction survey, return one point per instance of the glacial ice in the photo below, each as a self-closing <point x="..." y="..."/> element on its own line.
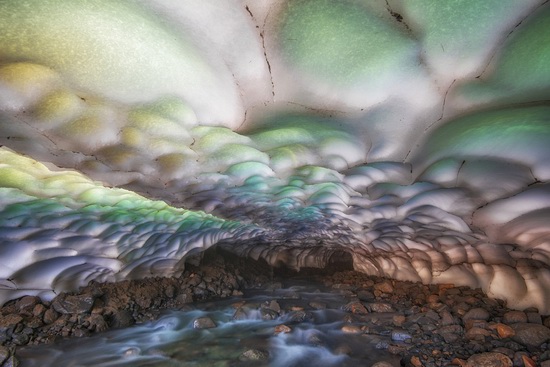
<point x="412" y="135"/>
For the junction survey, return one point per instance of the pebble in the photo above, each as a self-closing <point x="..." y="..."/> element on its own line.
<point x="355" y="307"/>
<point x="476" y="314"/>
<point x="489" y="359"/>
<point x="504" y="331"/>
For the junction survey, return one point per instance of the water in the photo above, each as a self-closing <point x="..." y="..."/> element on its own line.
<point x="316" y="338"/>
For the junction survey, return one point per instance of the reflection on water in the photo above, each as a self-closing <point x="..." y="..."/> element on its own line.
<point x="244" y="338"/>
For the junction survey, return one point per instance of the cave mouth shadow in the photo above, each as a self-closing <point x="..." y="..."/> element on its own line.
<point x="337" y="261"/>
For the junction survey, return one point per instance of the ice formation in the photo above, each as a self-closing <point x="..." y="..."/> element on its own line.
<point x="413" y="136"/>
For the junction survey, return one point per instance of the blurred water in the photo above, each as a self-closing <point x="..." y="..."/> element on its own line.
<point x="172" y="340"/>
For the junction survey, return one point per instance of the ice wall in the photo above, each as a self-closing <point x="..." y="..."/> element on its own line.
<point x="413" y="135"/>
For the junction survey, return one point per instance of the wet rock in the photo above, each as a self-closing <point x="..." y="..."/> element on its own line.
<point x="383" y="287"/>
<point x="11" y="361"/>
<point x="282" y="329"/>
<point x="400" y="335"/>
<point x="274" y="305"/>
<point x="318" y="305"/>
<point x="379" y="307"/>
<point x="254" y="355"/>
<point x="268" y="314"/>
<point x="399" y="320"/>
<point x="240" y="314"/>
<point x="298" y="317"/>
<point x="351" y="329"/>
<point x="531" y="335"/>
<point x="26" y="304"/>
<point x="39" y="310"/>
<point x="50" y="316"/>
<point x="512" y="317"/>
<point x="355" y="307"/>
<point x="489" y="359"/>
<point x="365" y="295"/>
<point x="70" y="304"/>
<point x="203" y="323"/>
<point x="451" y="333"/>
<point x="4" y="354"/>
<point x="121" y="319"/>
<point x="382" y="364"/>
<point x="97" y="323"/>
<point x="415" y="361"/>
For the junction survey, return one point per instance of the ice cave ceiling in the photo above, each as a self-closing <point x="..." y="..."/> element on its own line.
<point x="414" y="135"/>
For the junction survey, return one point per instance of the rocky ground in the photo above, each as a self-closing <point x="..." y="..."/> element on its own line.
<point x="435" y="325"/>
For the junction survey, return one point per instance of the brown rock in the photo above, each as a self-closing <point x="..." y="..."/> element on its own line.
<point x="477" y="333"/>
<point x="282" y="329"/>
<point x="351" y="329"/>
<point x="504" y="331"/>
<point x="382" y="364"/>
<point x="489" y="359"/>
<point x="458" y="362"/>
<point x="122" y="319"/>
<point x="26" y="304"/>
<point x="355" y="307"/>
<point x="415" y="361"/>
<point x="379" y="307"/>
<point x="531" y="335"/>
<point x="512" y="317"/>
<point x="81" y="303"/>
<point x="528" y="362"/>
<point x="384" y="287"/>
<point x="50" y="316"/>
<point x="10" y="320"/>
<point x="476" y="314"/>
<point x="203" y="323"/>
<point x="399" y="320"/>
<point x="39" y="310"/>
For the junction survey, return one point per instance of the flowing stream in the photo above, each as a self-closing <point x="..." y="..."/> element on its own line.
<point x="246" y="334"/>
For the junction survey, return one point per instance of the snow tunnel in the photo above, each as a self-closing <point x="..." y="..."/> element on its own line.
<point x="406" y="139"/>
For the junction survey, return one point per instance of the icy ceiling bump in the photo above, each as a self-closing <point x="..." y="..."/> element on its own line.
<point x="414" y="136"/>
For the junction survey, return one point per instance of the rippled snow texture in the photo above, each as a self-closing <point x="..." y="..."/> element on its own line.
<point x="413" y="135"/>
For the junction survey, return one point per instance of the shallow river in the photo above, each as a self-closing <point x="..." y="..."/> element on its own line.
<point x="248" y="337"/>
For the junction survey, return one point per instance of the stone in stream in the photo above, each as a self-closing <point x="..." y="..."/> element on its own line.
<point x="400" y="336"/>
<point x="355" y="307"/>
<point x="203" y="323"/>
<point x="254" y="355"/>
<point x="282" y="329"/>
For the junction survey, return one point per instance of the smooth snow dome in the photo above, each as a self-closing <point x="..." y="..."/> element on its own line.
<point x="412" y="135"/>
